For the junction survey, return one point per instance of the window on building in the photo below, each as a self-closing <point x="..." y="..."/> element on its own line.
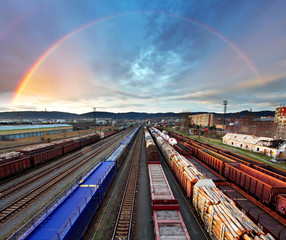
<point x="257" y="149"/>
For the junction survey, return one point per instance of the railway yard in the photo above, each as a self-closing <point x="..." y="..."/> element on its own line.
<point x="139" y="183"/>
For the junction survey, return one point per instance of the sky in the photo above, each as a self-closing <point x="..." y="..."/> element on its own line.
<point x="142" y="55"/>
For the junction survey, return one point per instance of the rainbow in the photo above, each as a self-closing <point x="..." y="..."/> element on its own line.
<point x="53" y="47"/>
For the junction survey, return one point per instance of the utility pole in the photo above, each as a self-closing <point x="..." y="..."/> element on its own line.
<point x="94" y="118"/>
<point x="224" y="103"/>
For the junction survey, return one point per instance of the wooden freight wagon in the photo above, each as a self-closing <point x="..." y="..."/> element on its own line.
<point x="180" y="171"/>
<point x="261" y="185"/>
<point x="214" y="160"/>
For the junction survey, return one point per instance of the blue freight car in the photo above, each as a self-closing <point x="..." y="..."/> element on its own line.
<point x="69" y="219"/>
<point x="119" y="154"/>
<point x="71" y="215"/>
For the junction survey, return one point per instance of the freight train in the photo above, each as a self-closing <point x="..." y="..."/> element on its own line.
<point x="70" y="214"/>
<point x="237" y="157"/>
<point x="219" y="213"/>
<point x="152" y="151"/>
<point x="166" y="210"/>
<point x="15" y="163"/>
<point x="252" y="176"/>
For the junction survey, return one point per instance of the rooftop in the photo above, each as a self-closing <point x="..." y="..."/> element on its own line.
<point x="21" y="127"/>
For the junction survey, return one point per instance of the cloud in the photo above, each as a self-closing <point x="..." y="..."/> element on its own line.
<point x="266" y="83"/>
<point x="143" y="60"/>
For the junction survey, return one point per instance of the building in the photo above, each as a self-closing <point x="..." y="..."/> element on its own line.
<point x="9" y="132"/>
<point x="204" y="120"/>
<point x="267" y="146"/>
<point x="280" y="122"/>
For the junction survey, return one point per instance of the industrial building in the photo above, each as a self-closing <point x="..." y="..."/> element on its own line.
<point x="205" y="120"/>
<point x="280" y="122"/>
<point x="9" y="132"/>
<point x="252" y="143"/>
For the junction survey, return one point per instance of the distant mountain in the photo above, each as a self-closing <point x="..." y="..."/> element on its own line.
<point x="33" y="115"/>
<point x="247" y="113"/>
<point x="129" y="115"/>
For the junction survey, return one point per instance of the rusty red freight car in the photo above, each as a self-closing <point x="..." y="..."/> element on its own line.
<point x="193" y="149"/>
<point x="183" y="150"/>
<point x="37" y="148"/>
<point x="261" y="185"/>
<point x="214" y="160"/>
<point x="85" y="141"/>
<point x="95" y="138"/>
<point x="236" y="159"/>
<point x="45" y="156"/>
<point x="30" y="157"/>
<point x="14" y="167"/>
<point x="71" y="147"/>
<point x="281" y="204"/>
<point x="107" y="134"/>
<point x="263" y="168"/>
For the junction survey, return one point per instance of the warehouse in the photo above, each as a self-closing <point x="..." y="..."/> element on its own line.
<point x="252" y="143"/>
<point x="9" y="132"/>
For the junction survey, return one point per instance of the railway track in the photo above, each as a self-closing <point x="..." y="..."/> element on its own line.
<point x="14" y="189"/>
<point x="12" y="209"/>
<point x="123" y="224"/>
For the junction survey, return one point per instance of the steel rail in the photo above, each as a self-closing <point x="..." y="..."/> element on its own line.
<point x="12" y="209"/>
<point x="123" y="224"/>
<point x="11" y="190"/>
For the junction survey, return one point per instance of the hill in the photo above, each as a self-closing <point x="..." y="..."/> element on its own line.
<point x="34" y="115"/>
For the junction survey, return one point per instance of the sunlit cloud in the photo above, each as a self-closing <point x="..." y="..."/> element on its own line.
<point x="141" y="61"/>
